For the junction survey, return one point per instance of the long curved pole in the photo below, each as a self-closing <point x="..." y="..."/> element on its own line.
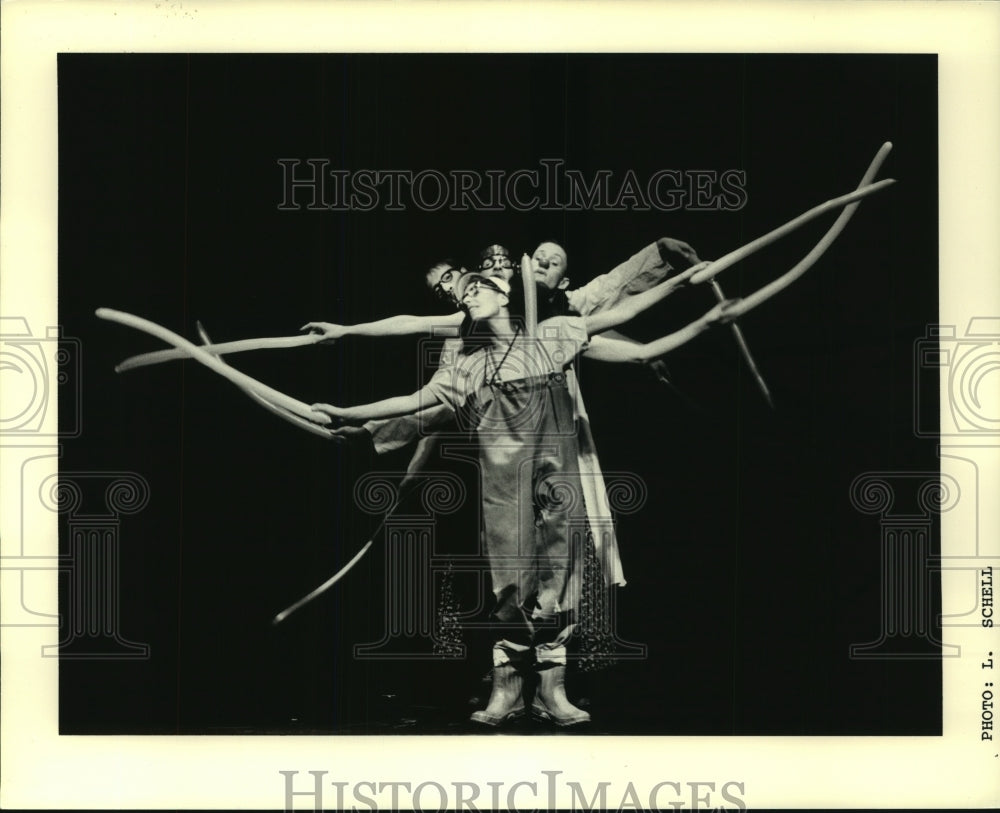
<point x="241" y="380"/>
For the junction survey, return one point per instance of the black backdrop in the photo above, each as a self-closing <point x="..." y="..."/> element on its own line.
<point x="750" y="573"/>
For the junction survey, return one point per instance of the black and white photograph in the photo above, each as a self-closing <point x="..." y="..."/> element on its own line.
<point x="411" y="397"/>
<point x="708" y="487"/>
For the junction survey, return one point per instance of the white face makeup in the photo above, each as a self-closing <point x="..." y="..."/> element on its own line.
<point x="549" y="264"/>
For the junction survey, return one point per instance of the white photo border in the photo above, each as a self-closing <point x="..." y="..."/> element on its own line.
<point x="44" y="770"/>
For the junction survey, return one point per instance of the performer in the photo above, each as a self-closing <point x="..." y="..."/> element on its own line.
<point x="550" y="263"/>
<point x="494" y="390"/>
<point x="639" y="273"/>
<point x="513" y="390"/>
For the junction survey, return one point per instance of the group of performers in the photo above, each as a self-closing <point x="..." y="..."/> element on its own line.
<point x="507" y="379"/>
<point x="518" y="394"/>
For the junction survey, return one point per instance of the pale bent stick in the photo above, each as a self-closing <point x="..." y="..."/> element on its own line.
<point x="234" y="376"/>
<point x="741" y="342"/>
<point x="733" y="309"/>
<point x="846" y="214"/>
<point x="278" y="342"/>
<point x="763" y="294"/>
<point x="838" y="226"/>
<point x="281" y="412"/>
<point x="753" y="246"/>
<point x="530" y="297"/>
<point x="404" y="488"/>
<point x="799" y="269"/>
<point x="336" y="577"/>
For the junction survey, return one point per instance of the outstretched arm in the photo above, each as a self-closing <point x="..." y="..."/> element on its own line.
<point x="391" y="326"/>
<point x="604" y="349"/>
<point x="386" y="408"/>
<point x="638" y="273"/>
<point x="657" y="365"/>
<point x="632" y="306"/>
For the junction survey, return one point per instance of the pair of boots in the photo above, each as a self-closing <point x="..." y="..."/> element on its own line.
<point x="548" y="701"/>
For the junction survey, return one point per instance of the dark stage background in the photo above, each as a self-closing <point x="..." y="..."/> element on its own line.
<point x="750" y="573"/>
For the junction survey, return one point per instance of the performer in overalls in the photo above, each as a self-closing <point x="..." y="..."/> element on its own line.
<point x="511" y="391"/>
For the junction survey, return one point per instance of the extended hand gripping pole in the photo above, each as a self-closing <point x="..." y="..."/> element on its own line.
<point x="199" y="354"/>
<point x="281" y="412"/>
<point x="733" y="257"/>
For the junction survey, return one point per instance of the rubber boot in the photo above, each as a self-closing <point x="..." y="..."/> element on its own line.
<point x="552" y="691"/>
<point x="539" y="710"/>
<point x="506" y="702"/>
<point x="532" y="699"/>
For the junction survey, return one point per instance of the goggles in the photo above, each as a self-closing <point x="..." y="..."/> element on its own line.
<point x="496" y="261"/>
<point x="476" y="286"/>
<point x="495" y="257"/>
<point x="475" y="282"/>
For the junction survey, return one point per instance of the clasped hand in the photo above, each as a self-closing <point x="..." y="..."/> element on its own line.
<point x="329" y="331"/>
<point x="723" y="313"/>
<point x="339" y="414"/>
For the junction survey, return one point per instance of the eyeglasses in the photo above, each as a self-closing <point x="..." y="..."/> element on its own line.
<point x="449" y="275"/>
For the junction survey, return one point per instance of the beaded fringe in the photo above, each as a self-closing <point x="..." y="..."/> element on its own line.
<point x="448" y="636"/>
<point x="594" y="640"/>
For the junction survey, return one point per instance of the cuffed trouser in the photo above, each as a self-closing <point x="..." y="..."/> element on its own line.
<point x="551" y="653"/>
